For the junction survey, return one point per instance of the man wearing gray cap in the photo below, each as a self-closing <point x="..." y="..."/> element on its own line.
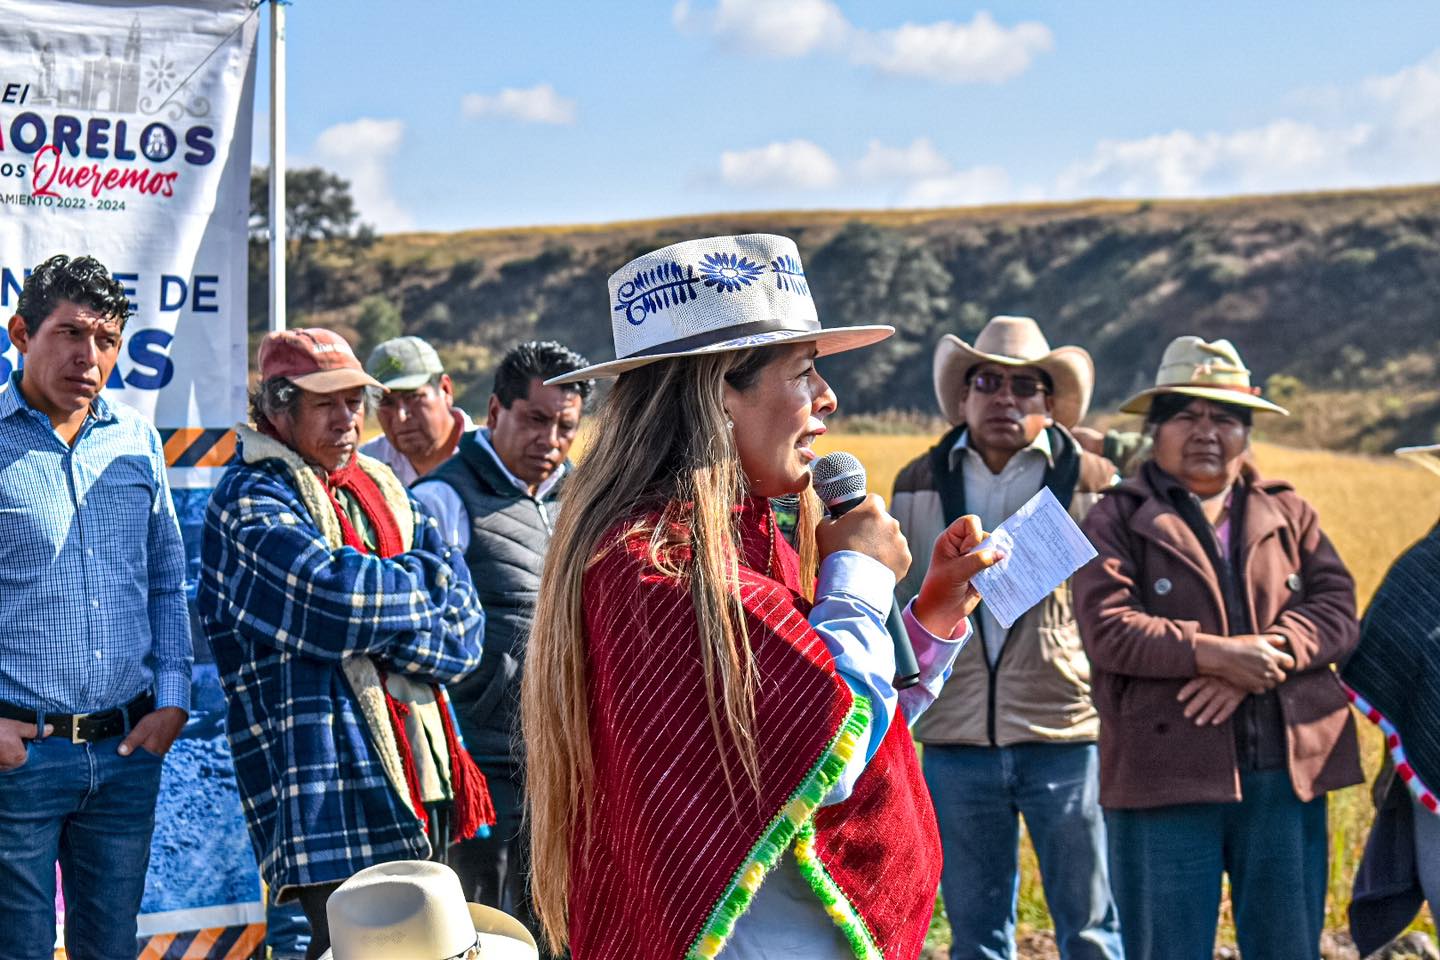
<point x="422" y="425"/>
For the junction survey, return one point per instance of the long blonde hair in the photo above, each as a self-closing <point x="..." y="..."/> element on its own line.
<point x="661" y="443"/>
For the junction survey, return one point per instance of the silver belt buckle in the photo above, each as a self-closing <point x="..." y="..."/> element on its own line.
<point x="75" y="727"/>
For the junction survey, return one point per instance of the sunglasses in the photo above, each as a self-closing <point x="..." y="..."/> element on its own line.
<point x="1020" y="386"/>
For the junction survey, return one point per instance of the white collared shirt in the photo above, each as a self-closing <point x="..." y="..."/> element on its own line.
<point x="993" y="497"/>
<point x="445" y="505"/>
<point x="383" y="450"/>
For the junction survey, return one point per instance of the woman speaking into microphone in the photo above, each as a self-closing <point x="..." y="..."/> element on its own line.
<point x="715" y="760"/>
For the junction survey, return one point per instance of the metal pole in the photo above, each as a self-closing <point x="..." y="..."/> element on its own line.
<point x="277" y="164"/>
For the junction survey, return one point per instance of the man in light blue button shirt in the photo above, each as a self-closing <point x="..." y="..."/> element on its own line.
<point x="94" y="633"/>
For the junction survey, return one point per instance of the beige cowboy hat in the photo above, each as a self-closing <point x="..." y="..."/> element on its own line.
<point x="416" y="910"/>
<point x="1210" y="371"/>
<point x="1427" y="456"/>
<point x="1014" y="342"/>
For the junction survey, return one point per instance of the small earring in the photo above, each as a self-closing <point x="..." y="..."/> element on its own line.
<point x="729" y="424"/>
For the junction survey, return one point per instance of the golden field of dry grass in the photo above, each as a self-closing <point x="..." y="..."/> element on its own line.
<point x="1371" y="507"/>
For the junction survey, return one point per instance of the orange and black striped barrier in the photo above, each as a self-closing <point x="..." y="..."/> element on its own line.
<point x="198" y="446"/>
<point x="244" y="942"/>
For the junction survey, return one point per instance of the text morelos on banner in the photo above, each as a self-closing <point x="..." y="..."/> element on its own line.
<point x="125" y="133"/>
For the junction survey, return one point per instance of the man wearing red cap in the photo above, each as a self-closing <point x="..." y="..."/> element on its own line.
<point x="336" y="612"/>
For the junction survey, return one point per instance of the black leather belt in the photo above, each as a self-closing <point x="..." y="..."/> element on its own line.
<point x="86" y="727"/>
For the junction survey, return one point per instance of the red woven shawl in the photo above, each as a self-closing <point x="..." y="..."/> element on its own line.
<point x="473" y="807"/>
<point x="669" y="845"/>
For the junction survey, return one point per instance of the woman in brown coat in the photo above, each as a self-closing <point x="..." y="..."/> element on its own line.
<point x="1212" y="618"/>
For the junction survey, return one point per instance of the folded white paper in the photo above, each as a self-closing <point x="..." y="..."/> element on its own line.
<point x="1042" y="546"/>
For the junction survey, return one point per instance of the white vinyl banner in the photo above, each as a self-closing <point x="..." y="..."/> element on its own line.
<point x="125" y="135"/>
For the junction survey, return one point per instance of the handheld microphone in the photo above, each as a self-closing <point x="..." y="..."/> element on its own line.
<point x="839" y="480"/>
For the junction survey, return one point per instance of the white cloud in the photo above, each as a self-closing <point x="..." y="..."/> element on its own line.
<point x="1381" y="130"/>
<point x="928" y="179"/>
<point x="1384" y="130"/>
<point x="962" y="188"/>
<point x="794" y="165"/>
<point x="1406" y="142"/>
<point x="537" y="104"/>
<point x="1412" y="95"/>
<point x="981" y="51"/>
<point x="791" y="28"/>
<point x="919" y="159"/>
<point x="922" y="176"/>
<point x="1281" y="155"/>
<point x="361" y="151"/>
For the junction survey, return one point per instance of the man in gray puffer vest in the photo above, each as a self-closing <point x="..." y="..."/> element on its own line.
<point x="496" y="500"/>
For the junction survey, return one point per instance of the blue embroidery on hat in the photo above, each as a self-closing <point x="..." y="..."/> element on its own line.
<point x="729" y="271"/>
<point x="754" y="340"/>
<point x="667" y="285"/>
<point x="789" y="275"/>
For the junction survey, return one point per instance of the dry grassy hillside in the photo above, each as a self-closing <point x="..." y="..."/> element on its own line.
<point x="1331" y="297"/>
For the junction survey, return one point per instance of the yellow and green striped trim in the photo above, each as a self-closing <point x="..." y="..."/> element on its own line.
<point x="836" y="904"/>
<point x="793" y="819"/>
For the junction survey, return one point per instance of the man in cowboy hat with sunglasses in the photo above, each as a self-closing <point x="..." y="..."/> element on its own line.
<point x="1014" y="729"/>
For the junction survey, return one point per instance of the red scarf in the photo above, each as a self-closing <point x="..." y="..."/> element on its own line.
<point x="666" y="840"/>
<point x="473" y="807"/>
<point x="353" y="479"/>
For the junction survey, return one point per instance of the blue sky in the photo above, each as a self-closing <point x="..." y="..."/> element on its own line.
<point x="447" y="115"/>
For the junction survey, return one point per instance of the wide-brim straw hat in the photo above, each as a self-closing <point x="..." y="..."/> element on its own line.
<point x="1209" y="370"/>
<point x="416" y="910"/>
<point x="1015" y="342"/>
<point x="715" y="295"/>
<point x="1427" y="456"/>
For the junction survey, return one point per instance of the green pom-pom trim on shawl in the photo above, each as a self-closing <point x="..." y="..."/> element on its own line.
<point x="836" y="904"/>
<point x="795" y="819"/>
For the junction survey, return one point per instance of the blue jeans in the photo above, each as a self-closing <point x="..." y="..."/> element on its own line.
<point x="93" y="811"/>
<point x="287" y="932"/>
<point x="1427" y="855"/>
<point x="980" y="793"/>
<point x="1166" y="863"/>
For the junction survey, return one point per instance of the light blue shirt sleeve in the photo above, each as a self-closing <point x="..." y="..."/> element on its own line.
<point x="852" y="599"/>
<point x="171" y="653"/>
<point x="936" y="657"/>
<point x="445" y="505"/>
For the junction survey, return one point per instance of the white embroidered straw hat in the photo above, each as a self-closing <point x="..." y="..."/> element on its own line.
<point x="416" y="910"/>
<point x="712" y="296"/>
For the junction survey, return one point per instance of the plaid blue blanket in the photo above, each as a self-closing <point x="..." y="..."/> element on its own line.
<point x="283" y="610"/>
